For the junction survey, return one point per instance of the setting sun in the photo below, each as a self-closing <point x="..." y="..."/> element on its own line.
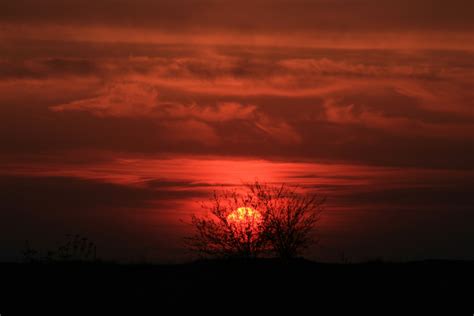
<point x="245" y="215"/>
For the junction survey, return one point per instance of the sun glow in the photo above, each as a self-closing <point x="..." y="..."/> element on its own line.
<point x="245" y="216"/>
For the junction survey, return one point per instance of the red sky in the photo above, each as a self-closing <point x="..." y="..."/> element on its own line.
<point x="117" y="116"/>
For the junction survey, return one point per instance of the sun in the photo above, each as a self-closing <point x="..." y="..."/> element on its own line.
<point x="244" y="216"/>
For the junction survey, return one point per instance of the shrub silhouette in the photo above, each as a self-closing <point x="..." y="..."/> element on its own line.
<point x="76" y="248"/>
<point x="284" y="227"/>
<point x="219" y="236"/>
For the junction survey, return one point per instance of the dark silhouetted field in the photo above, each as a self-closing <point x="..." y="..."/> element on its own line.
<point x="206" y="285"/>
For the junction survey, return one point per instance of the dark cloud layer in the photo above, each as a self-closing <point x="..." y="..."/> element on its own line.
<point x="374" y="107"/>
<point x="117" y="217"/>
<point x="260" y="15"/>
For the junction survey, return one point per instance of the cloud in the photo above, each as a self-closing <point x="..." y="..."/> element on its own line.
<point x="130" y="100"/>
<point x="386" y="109"/>
<point x="330" y="67"/>
<point x="287" y="103"/>
<point x="248" y="16"/>
<point x="230" y="73"/>
<point x="48" y="68"/>
<point x="279" y="130"/>
<point x="181" y="132"/>
<point x="138" y="99"/>
<point x="181" y="122"/>
<point x="222" y="112"/>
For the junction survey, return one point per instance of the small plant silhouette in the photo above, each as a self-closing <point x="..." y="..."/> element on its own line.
<point x="284" y="227"/>
<point x="30" y="254"/>
<point x="76" y="248"/>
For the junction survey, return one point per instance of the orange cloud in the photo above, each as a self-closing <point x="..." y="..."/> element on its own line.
<point x="138" y="99"/>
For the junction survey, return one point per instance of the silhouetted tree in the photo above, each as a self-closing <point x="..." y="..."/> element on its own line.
<point x="222" y="234"/>
<point x="260" y="219"/>
<point x="290" y="219"/>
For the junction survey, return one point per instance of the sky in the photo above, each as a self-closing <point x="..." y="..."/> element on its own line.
<point x="118" y="117"/>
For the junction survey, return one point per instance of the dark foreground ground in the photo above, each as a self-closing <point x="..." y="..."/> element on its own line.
<point x="36" y="289"/>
